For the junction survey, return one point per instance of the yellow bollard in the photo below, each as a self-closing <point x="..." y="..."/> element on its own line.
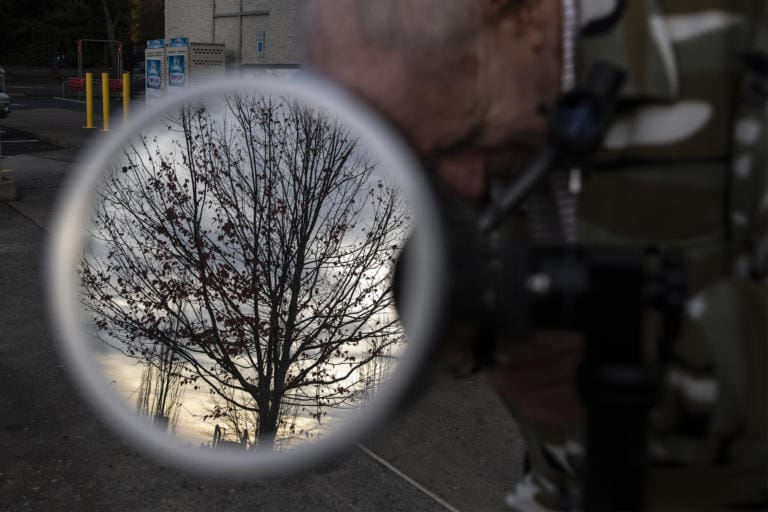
<point x="105" y="100"/>
<point x="89" y="100"/>
<point x="126" y="95"/>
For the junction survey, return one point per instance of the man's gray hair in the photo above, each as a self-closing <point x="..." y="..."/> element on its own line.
<point x="418" y="25"/>
<point x="427" y="32"/>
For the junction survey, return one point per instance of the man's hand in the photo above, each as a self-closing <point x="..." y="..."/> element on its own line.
<point x="538" y="376"/>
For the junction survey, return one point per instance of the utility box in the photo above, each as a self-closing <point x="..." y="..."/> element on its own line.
<point x="154" y="60"/>
<point x="192" y="63"/>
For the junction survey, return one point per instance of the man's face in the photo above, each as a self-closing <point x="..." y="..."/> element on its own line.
<point x="476" y="114"/>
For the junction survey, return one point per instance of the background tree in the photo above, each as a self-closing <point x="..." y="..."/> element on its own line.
<point x="161" y="389"/>
<point x="147" y="20"/>
<point x="256" y="243"/>
<point x="116" y="14"/>
<point x="32" y="33"/>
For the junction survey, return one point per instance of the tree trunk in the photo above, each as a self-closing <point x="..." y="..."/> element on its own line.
<point x="111" y="36"/>
<point x="267" y="429"/>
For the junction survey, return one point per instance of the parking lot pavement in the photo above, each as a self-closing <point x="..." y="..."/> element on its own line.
<point x="454" y="448"/>
<point x="61" y="127"/>
<point x="61" y="121"/>
<point x="35" y="89"/>
<point x="15" y="142"/>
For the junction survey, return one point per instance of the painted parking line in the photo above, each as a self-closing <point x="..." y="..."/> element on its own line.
<point x="14" y="140"/>
<point x="67" y="99"/>
<point x="18" y="104"/>
<point x="408" y="479"/>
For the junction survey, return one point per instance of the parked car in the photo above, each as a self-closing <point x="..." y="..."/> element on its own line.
<point x="5" y="105"/>
<point x="138" y="79"/>
<point x="5" y="100"/>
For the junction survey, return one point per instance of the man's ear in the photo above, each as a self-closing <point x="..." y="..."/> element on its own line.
<point x="524" y="18"/>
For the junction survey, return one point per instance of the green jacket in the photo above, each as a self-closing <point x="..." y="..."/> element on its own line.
<point x="684" y="165"/>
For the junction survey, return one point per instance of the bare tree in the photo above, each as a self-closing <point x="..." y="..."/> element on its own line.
<point x="147" y="20"/>
<point x="113" y="16"/>
<point x="237" y="424"/>
<point x="255" y="241"/>
<point x="161" y="389"/>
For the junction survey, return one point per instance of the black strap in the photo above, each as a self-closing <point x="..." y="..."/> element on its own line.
<point x="606" y="23"/>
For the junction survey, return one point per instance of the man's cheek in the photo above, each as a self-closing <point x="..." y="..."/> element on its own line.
<point x="465" y="175"/>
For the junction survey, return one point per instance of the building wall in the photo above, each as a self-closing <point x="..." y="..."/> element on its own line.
<point x="189" y="18"/>
<point x="220" y="21"/>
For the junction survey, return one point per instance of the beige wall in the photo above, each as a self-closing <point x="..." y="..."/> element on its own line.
<point x="277" y="19"/>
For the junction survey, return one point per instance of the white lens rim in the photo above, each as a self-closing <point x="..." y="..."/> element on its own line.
<point x="423" y="291"/>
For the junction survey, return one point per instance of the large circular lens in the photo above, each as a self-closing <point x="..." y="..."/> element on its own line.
<point x="221" y="275"/>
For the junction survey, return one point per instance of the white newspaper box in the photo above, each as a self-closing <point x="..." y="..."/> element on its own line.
<point x="190" y="63"/>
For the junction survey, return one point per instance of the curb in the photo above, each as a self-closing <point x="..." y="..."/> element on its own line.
<point x="77" y="139"/>
<point x="65" y="143"/>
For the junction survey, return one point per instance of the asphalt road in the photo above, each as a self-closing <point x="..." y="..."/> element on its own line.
<point x="26" y="96"/>
<point x="454" y="448"/>
<point x="21" y="102"/>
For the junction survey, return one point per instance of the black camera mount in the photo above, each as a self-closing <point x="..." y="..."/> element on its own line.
<point x="626" y="303"/>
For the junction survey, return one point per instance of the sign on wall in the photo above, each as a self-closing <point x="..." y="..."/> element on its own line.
<point x="260" y="37"/>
